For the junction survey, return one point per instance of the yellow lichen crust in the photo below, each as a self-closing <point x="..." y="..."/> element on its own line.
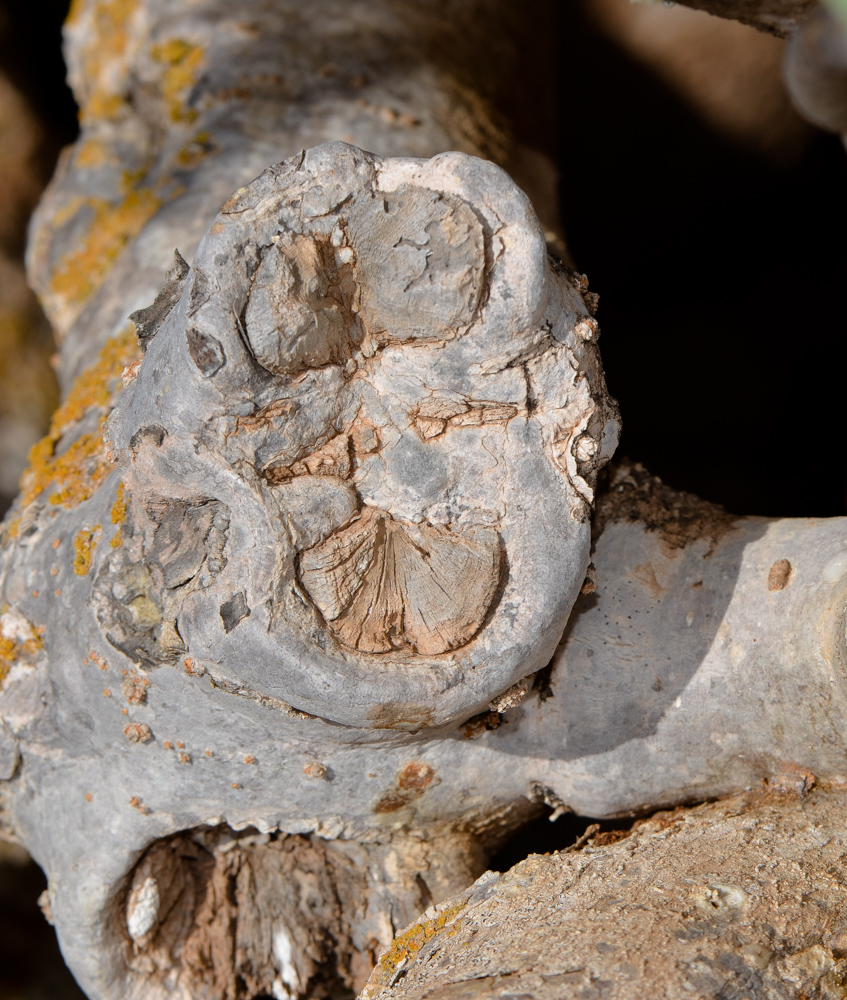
<point x="7" y="657"/>
<point x="95" y="387"/>
<point x="119" y="506"/>
<point x="196" y="150"/>
<point x="14" y="650"/>
<point x="111" y="39"/>
<point x="77" y="473"/>
<point x="407" y="945"/>
<point x="118" y="516"/>
<point x="83" y="270"/>
<point x="85" y="542"/>
<point x="108" y="28"/>
<point x="182" y="61"/>
<point x="91" y="153"/>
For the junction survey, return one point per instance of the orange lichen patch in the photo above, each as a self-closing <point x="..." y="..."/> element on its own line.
<point x="196" y="150"/>
<point x="108" y="29"/>
<point x="134" y="688"/>
<point x="83" y="270"/>
<point x="408" y="943"/>
<point x="73" y="472"/>
<point x="119" y="506"/>
<point x="138" y="732"/>
<point x="412" y="781"/>
<point x="91" y="153"/>
<point x="130" y="179"/>
<point x="193" y="668"/>
<point x="97" y="659"/>
<point x="8" y="650"/>
<point x="14" y="650"/>
<point x="85" y="542"/>
<point x="66" y="211"/>
<point x="96" y="385"/>
<point x="77" y="473"/>
<point x="183" y="61"/>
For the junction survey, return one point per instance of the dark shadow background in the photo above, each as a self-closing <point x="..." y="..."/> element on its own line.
<point x="31" y="966"/>
<point x="721" y="274"/>
<point x="722" y="280"/>
<point x="31" y="56"/>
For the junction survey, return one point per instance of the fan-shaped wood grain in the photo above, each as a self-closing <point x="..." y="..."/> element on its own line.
<point x="383" y="585"/>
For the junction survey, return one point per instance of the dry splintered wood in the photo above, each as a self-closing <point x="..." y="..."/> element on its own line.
<point x="739" y="898"/>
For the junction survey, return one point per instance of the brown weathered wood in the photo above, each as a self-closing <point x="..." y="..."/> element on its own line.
<point x="736" y="898"/>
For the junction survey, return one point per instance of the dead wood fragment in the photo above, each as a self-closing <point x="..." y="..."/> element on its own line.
<point x="741" y="897"/>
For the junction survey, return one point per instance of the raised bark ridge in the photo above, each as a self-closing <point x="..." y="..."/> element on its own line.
<point x="185" y="678"/>
<point x="289" y="401"/>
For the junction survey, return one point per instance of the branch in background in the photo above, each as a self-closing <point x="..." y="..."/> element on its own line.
<point x="777" y="17"/>
<point x="816" y="70"/>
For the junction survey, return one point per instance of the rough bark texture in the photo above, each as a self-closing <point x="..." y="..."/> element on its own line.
<point x="741" y="898"/>
<point x="215" y="913"/>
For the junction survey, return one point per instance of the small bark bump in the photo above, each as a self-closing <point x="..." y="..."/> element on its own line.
<point x="138" y="732"/>
<point x="779" y="575"/>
